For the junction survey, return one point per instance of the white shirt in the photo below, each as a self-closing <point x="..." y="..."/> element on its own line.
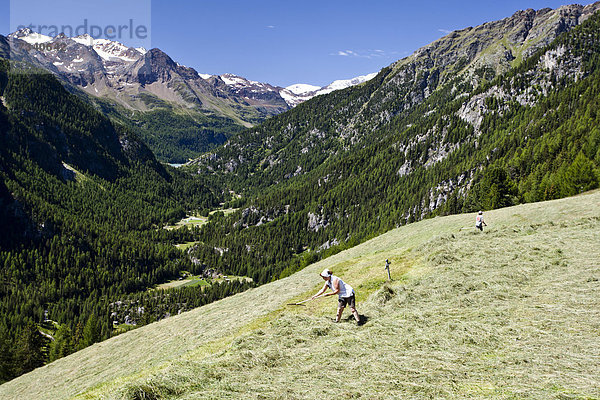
<point x="345" y="289"/>
<point x="478" y="220"/>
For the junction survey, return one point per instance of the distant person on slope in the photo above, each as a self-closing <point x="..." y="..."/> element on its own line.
<point x="344" y="291"/>
<point x="479" y="222"/>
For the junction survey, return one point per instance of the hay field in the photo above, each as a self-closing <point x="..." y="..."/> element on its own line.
<point x="510" y="313"/>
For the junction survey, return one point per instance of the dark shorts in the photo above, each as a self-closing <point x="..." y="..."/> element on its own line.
<point x="480" y="227"/>
<point x="344" y="301"/>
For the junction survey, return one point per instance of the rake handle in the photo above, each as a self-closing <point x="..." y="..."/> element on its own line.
<point x="304" y="301"/>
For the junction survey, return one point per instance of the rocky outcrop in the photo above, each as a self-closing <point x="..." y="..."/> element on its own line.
<point x="317" y="221"/>
<point x="495" y="46"/>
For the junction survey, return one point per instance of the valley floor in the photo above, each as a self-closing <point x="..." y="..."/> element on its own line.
<point x="513" y="312"/>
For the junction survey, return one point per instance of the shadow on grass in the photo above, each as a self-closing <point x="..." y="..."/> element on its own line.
<point x="363" y="319"/>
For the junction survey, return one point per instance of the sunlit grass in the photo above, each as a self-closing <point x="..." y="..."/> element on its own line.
<point x="185" y="246"/>
<point x="196" y="220"/>
<point x="185" y="282"/>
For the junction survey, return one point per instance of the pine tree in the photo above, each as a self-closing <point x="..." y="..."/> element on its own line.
<point x="91" y="331"/>
<point x="580" y="175"/>
<point x="6" y="358"/>
<point x="63" y="343"/>
<point x="30" y="349"/>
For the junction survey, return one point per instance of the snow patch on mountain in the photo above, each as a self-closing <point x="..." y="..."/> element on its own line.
<point x="301" y="88"/>
<point x="85" y="40"/>
<point x="30" y="36"/>
<point x="238" y="81"/>
<point x="346" y="83"/>
<point x="246" y="86"/>
<point x="299" y="93"/>
<point x="36" y="38"/>
<point x="293" y="99"/>
<point x="110" y="50"/>
<point x="231" y="79"/>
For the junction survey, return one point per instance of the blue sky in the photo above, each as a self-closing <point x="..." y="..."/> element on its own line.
<point x="280" y="42"/>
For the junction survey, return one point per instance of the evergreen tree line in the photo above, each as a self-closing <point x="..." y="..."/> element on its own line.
<point x="175" y="137"/>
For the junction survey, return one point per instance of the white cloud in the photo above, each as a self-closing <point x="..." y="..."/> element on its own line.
<point x="271" y="26"/>
<point x="446" y="31"/>
<point x="364" y="53"/>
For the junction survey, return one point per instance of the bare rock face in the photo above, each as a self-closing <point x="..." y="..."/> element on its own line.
<point x="316" y="222"/>
<point x="154" y="66"/>
<point x="521" y="34"/>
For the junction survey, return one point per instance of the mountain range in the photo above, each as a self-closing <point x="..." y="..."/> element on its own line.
<point x="139" y="82"/>
<point x="459" y="61"/>
<point x="102" y="67"/>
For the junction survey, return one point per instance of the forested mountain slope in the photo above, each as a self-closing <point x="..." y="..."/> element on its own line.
<point x="82" y="206"/>
<point x="329" y="126"/>
<point x="529" y="134"/>
<point x="178" y="112"/>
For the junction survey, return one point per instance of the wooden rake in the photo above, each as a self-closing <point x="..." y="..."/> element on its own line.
<point x="301" y="303"/>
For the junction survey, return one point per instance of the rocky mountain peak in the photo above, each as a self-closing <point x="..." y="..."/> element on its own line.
<point x="154" y="66"/>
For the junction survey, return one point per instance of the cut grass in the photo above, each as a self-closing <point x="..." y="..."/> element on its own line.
<point x="513" y="312"/>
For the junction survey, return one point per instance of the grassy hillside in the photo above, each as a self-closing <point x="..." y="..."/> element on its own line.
<point x="513" y="312"/>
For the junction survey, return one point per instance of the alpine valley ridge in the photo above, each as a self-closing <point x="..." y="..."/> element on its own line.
<point x="138" y="84"/>
<point x="485" y="117"/>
